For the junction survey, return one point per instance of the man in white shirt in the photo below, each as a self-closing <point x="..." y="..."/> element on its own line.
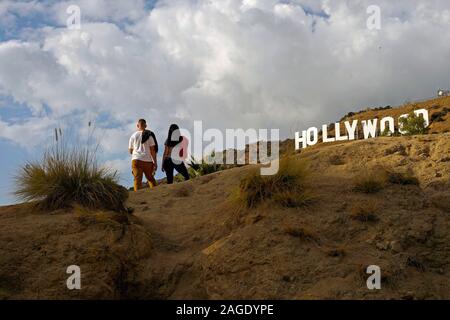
<point x="143" y="155"/>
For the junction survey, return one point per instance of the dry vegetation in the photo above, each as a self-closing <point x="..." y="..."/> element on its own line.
<point x="186" y="241"/>
<point x="437" y="108"/>
<point x="402" y="178"/>
<point x="288" y="187"/>
<point x="369" y="183"/>
<point x="302" y="233"/>
<point x="364" y="212"/>
<point x="66" y="176"/>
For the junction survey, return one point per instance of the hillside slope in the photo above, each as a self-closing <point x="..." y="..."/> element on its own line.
<point x="438" y="112"/>
<point x="189" y="240"/>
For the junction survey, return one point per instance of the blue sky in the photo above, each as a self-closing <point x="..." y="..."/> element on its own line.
<point x="13" y="112"/>
<point x="231" y="64"/>
<point x="11" y="154"/>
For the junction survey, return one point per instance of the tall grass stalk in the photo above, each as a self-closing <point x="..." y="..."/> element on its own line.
<point x="69" y="174"/>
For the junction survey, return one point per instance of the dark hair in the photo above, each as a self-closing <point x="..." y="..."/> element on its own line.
<point x="170" y="142"/>
<point x="142" y="121"/>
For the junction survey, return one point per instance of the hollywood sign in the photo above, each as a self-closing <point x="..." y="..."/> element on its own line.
<point x="310" y="137"/>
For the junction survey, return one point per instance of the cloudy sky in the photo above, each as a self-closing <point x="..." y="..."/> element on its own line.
<point x="284" y="64"/>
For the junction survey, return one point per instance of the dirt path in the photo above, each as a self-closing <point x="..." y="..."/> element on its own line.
<point x="182" y="219"/>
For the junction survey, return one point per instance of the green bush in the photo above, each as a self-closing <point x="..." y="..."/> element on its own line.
<point x="202" y="168"/>
<point x="386" y="132"/>
<point x="413" y="124"/>
<point x="69" y="175"/>
<point x="286" y="188"/>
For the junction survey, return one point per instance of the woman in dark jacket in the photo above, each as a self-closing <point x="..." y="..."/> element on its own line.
<point x="177" y="142"/>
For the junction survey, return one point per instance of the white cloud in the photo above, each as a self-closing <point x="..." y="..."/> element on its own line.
<point x="101" y="10"/>
<point x="122" y="166"/>
<point x="28" y="134"/>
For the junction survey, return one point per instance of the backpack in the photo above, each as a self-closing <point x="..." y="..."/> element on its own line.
<point x="146" y="135"/>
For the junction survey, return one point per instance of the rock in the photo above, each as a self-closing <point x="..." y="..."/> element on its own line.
<point x="396" y="246"/>
<point x="382" y="246"/>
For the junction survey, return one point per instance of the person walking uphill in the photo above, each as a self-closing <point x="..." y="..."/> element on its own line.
<point x="143" y="148"/>
<point x="174" y="143"/>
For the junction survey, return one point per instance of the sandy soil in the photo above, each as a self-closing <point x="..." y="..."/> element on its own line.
<point x="190" y="240"/>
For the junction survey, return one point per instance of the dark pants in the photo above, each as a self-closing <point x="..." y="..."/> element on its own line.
<point x="168" y="166"/>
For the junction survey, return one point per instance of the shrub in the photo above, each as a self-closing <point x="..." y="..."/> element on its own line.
<point x="386" y="132"/>
<point x="336" y="160"/>
<point x="402" y="178"/>
<point x="415" y="263"/>
<point x="202" y="168"/>
<point x="369" y="184"/>
<point x="364" y="212"/>
<point x="338" y="252"/>
<point x="413" y="124"/>
<point x="179" y="177"/>
<point x="286" y="187"/>
<point x="69" y="175"/>
<point x="299" y="232"/>
<point x="439" y="116"/>
<point x="398" y="148"/>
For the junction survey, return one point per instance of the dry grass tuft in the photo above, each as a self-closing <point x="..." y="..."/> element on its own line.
<point x="370" y="183"/>
<point x="364" y="212"/>
<point x="66" y="176"/>
<point x="336" y="160"/>
<point x="88" y="217"/>
<point x="287" y="187"/>
<point x="302" y="233"/>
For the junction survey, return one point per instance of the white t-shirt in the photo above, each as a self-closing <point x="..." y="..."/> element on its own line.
<point x="141" y="151"/>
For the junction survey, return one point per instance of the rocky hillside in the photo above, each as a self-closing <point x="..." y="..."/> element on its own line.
<point x="191" y="240"/>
